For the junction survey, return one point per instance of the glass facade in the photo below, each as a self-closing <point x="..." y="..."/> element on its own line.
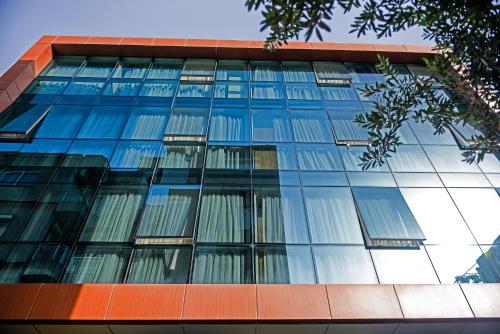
<point x="140" y="170"/>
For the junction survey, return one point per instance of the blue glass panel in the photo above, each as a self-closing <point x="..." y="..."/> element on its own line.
<point x="187" y="122"/>
<point x="42" y="152"/>
<point x="228" y="157"/>
<point x="339" y="93"/>
<point x="425" y="133"/>
<point x="121" y="89"/>
<point x="19" y="121"/>
<point x="194" y="90"/>
<point x="104" y="123"/>
<point x="135" y="155"/>
<point x="302" y="92"/>
<point x="266" y="71"/>
<point x="284" y="265"/>
<point x="352" y="162"/>
<point x="330" y="70"/>
<point x="131" y="68"/>
<point x="271" y="126"/>
<point x="165" y="69"/>
<point x="231" y="90"/>
<point x="490" y="163"/>
<point x="229" y="125"/>
<point x="371" y="179"/>
<point x="146" y="123"/>
<point x="274" y="157"/>
<point x="464" y="180"/>
<point x="267" y="91"/>
<point x="158" y="89"/>
<point x="324" y="179"/>
<point x="418" y="180"/>
<point x="97" y="67"/>
<point x="345" y="128"/>
<point x="311" y="127"/>
<point x="319" y="157"/>
<point x="409" y="158"/>
<point x="89" y="153"/>
<point x="297" y="71"/>
<point x="363" y="73"/>
<point x="49" y="87"/>
<point x="65" y="66"/>
<point x="449" y="159"/>
<point x="62" y="122"/>
<point x="84" y="88"/>
<point x="232" y="70"/>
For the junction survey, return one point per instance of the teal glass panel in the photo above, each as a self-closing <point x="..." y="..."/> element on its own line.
<point x="165" y="69"/>
<point x="131" y="68"/>
<point x="63" y="66"/>
<point x="97" y="67"/>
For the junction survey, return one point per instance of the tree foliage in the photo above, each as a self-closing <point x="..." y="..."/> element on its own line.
<point x="467" y="39"/>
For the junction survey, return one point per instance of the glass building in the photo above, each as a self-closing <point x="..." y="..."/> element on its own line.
<point x="209" y="170"/>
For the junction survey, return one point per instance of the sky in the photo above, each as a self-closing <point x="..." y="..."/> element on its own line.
<point x="23" y="22"/>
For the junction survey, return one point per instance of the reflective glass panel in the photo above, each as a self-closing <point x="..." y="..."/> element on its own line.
<point x="319" y="157"/>
<point x="222" y="265"/>
<point x="284" y="265"/>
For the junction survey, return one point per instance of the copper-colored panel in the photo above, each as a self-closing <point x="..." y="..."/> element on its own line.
<point x="432" y="301"/>
<point x="17" y="299"/>
<point x="389" y="47"/>
<point x="146" y="302"/>
<point x="136" y="41"/>
<point x="13" y="72"/>
<point x="47" y="39"/>
<point x="34" y="51"/>
<point x="72" y="302"/>
<point x="169" y="42"/>
<point x="370" y="301"/>
<point x="5" y="100"/>
<point x="26" y="76"/>
<point x="209" y="43"/>
<point x="328" y="46"/>
<point x="104" y="40"/>
<point x="220" y="302"/>
<point x="71" y="39"/>
<point x="232" y="44"/>
<point x="420" y="48"/>
<point x="484" y="299"/>
<point x="43" y="59"/>
<point x="292" y="302"/>
<point x="11" y="88"/>
<point x="358" y="47"/>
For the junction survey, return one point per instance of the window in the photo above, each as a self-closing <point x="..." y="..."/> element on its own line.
<point x="65" y="66"/>
<point x="146" y="123"/>
<point x="228" y="157"/>
<point x="319" y="157"/>
<point x="46" y="264"/>
<point x="426" y="134"/>
<point x="458" y="263"/>
<point x="12" y="261"/>
<point x="311" y="127"/>
<point x="274" y="157"/>
<point x="97" y="264"/>
<point x="158" y="89"/>
<point x="302" y="92"/>
<point x="81" y="87"/>
<point x="222" y="265"/>
<point x="279" y="216"/>
<point x="332" y="215"/>
<point x="386" y="218"/>
<point x="231" y="90"/>
<point x="48" y="87"/>
<point x="229" y="125"/>
<point x="409" y="158"/>
<point x="118" y="88"/>
<point x="232" y="70"/>
<point x="352" y="162"/>
<point x="449" y="159"/>
<point x="165" y="69"/>
<point x="348" y="132"/>
<point x="225" y="215"/>
<point x="131" y="68"/>
<point x="160" y="265"/>
<point x="62" y="122"/>
<point x="266" y="71"/>
<point x="104" y="123"/>
<point x="422" y="72"/>
<point x="113" y="213"/>
<point x="267" y="91"/>
<point x="194" y="90"/>
<point x="364" y="73"/>
<point x="187" y="123"/>
<point x="271" y="126"/>
<point x="284" y="265"/>
<point x="331" y="74"/>
<point x="42" y="153"/>
<point x="338" y="93"/>
<point x="135" y="155"/>
<point x="175" y="156"/>
<point x="296" y="71"/>
<point x="20" y="121"/>
<point x="89" y="153"/>
<point x="201" y="70"/>
<point x="342" y="264"/>
<point x="97" y="67"/>
<point x="169" y="211"/>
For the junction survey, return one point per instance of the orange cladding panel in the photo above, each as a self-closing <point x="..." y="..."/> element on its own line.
<point x="17" y="300"/>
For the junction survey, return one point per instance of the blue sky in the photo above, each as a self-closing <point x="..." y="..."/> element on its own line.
<point x="22" y="22"/>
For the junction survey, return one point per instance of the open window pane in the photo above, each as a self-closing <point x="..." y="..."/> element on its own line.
<point x="331" y="73"/>
<point x="228" y="157"/>
<point x="319" y="157"/>
<point x="295" y="71"/>
<point x="169" y="212"/>
<point x="97" y="264"/>
<point x="225" y="215"/>
<point x="332" y="215"/>
<point x="279" y="216"/>
<point x="165" y="69"/>
<point x="385" y="214"/>
<point x="113" y="213"/>
<point x="346" y="130"/>
<point x="274" y="157"/>
<point x="229" y="125"/>
<point x="131" y="68"/>
<point x="165" y="265"/>
<point x="222" y="265"/>
<point x="20" y="121"/>
<point x="146" y="123"/>
<point x="284" y="265"/>
<point x="232" y="70"/>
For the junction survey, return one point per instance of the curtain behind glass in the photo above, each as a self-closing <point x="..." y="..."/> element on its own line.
<point x="302" y="92"/>
<point x="409" y="158"/>
<point x="339" y="93"/>
<point x="319" y="157"/>
<point x="284" y="265"/>
<point x="169" y="212"/>
<point x="298" y="72"/>
<point x="272" y="126"/>
<point x="146" y="123"/>
<point x="97" y="265"/>
<point x="266" y="71"/>
<point x="160" y="266"/>
<point x="187" y="122"/>
<point x="217" y="265"/>
<point x="345" y="128"/>
<point x="332" y="215"/>
<point x="311" y="129"/>
<point x="228" y="157"/>
<point x="181" y="156"/>
<point x="113" y="214"/>
<point x="83" y="88"/>
<point x="104" y="123"/>
<point x="274" y="157"/>
<point x="229" y="125"/>
<point x="135" y="155"/>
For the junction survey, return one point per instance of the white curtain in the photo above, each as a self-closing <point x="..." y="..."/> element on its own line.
<point x="348" y="130"/>
<point x="339" y="93"/>
<point x="302" y="92"/>
<point x="186" y="124"/>
<point x="222" y="266"/>
<point x="272" y="268"/>
<point x="145" y="126"/>
<point x="181" y="156"/>
<point x="312" y="158"/>
<point x="265" y="92"/>
<point x="158" y="90"/>
<point x="265" y="72"/>
<point x="194" y="90"/>
<point x="228" y="157"/>
<point x="227" y="127"/>
<point x="312" y="130"/>
<point x="159" y="266"/>
<point x="134" y="156"/>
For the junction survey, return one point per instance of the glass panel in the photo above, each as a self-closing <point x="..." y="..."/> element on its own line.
<point x="104" y="123"/>
<point x="330" y="70"/>
<point x="132" y="68"/>
<point x="344" y="265"/>
<point x="158" y="89"/>
<point x="222" y="265"/>
<point x="271" y="126"/>
<point x="181" y="156"/>
<point x="135" y="155"/>
<point x="49" y="87"/>
<point x="465" y="180"/>
<point x="409" y="158"/>
<point x="225" y="215"/>
<point x="311" y="127"/>
<point x="319" y="157"/>
<point x="345" y="128"/>
<point x="231" y="90"/>
<point x="113" y="213"/>
<point x="418" y="180"/>
<point x="449" y="159"/>
<point x="63" y="66"/>
<point x="295" y="71"/>
<point x="266" y="71"/>
<point x="267" y="91"/>
<point x="364" y="73"/>
<point x="121" y="89"/>
<point x="406" y="266"/>
<point x="169" y="69"/>
<point x="46" y="264"/>
<point x="370" y="179"/>
<point x="194" y="90"/>
<point x="199" y="68"/>
<point x="84" y="88"/>
<point x="338" y="93"/>
<point x="229" y="125"/>
<point x="169" y="212"/>
<point x="42" y="153"/>
<point x="19" y="122"/>
<point x="425" y="133"/>
<point x="89" y="153"/>
<point x="437" y="216"/>
<point x="97" y="67"/>
<point x="332" y="215"/>
<point x="12" y="261"/>
<point x="284" y="265"/>
<point x="386" y="215"/>
<point x="160" y="266"/>
<point x="146" y="123"/>
<point x="323" y="179"/>
<point x="62" y="122"/>
<point x="489" y="263"/>
<point x="352" y="162"/>
<point x="228" y="157"/>
<point x="233" y="70"/>
<point x="457" y="264"/>
<point x="490" y="163"/>
<point x="278" y="215"/>
<point x="302" y="92"/>
<point x="188" y="122"/>
<point x="479" y="207"/>
<point x="274" y="157"/>
<point x="97" y="264"/>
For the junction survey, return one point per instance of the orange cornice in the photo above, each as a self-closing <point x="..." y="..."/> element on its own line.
<point x="15" y="80"/>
